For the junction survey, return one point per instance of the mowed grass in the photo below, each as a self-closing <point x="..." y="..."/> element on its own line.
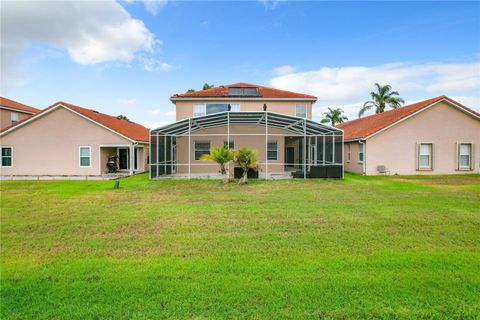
<point x="365" y="247"/>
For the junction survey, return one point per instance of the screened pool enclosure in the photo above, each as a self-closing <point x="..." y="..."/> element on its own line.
<point x="287" y="146"/>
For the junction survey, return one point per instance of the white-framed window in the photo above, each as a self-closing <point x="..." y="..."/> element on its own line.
<point x="361" y="152"/>
<point x="14" y="118"/>
<point x="465" y="156"/>
<point x="7" y="157"/>
<point x="425" y="156"/>
<point x="348" y="152"/>
<point x="85" y="156"/>
<point x="301" y="110"/>
<point x="202" y="109"/>
<point x="201" y="148"/>
<point x="199" y="109"/>
<point x="272" y="150"/>
<point x="230" y="144"/>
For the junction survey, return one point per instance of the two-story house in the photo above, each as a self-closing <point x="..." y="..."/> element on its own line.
<point x="275" y="123"/>
<point x="12" y="112"/>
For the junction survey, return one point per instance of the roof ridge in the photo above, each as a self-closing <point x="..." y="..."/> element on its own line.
<point x="397" y="109"/>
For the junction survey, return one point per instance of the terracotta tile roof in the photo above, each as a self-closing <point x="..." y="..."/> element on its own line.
<point x="127" y="128"/>
<point x="5" y="102"/>
<point x="264" y="92"/>
<point x="366" y="126"/>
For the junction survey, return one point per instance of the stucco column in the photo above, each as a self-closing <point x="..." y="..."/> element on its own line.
<point x="132" y="156"/>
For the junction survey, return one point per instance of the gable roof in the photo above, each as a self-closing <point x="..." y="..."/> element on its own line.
<point x="264" y="93"/>
<point x="14" y="105"/>
<point x="131" y="130"/>
<point x="363" y="128"/>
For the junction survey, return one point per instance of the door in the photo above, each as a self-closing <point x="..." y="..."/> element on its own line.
<point x="289" y="157"/>
<point x="123" y="158"/>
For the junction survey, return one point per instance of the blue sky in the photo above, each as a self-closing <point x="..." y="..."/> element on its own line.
<point x="129" y="57"/>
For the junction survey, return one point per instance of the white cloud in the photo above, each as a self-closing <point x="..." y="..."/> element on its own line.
<point x="283" y="70"/>
<point x="127" y="101"/>
<point x="271" y="4"/>
<point x="153" y="6"/>
<point x="90" y="31"/>
<point x="348" y="87"/>
<point x="152" y="64"/>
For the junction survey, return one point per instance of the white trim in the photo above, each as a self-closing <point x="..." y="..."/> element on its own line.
<point x="301" y="105"/>
<point x="17" y="110"/>
<point x="173" y="99"/>
<point x="80" y="157"/>
<point x="14" y="118"/>
<point x="421" y="110"/>
<point x="471" y="165"/>
<point x="41" y="114"/>
<point x="11" y="156"/>
<point x="276" y="150"/>
<point x="430" y="157"/>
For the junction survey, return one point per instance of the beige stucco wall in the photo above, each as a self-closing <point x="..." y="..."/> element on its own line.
<point x="253" y="142"/>
<point x="184" y="109"/>
<point x="354" y="164"/>
<point x="442" y="125"/>
<point x="50" y="145"/>
<point x="5" y="117"/>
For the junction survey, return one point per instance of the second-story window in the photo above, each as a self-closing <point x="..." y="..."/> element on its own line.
<point x="202" y="109"/>
<point x="199" y="109"/>
<point x="14" y="118"/>
<point x="301" y="110"/>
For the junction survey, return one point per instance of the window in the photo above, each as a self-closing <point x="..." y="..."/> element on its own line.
<point x="301" y="110"/>
<point x="348" y="152"/>
<point x="425" y="156"/>
<point x="199" y="110"/>
<point x="465" y="156"/>
<point x="230" y="145"/>
<point x="361" y="152"/>
<point x="243" y="91"/>
<point x="85" y="156"/>
<point x="14" y="118"/>
<point x="202" y="109"/>
<point x="7" y="157"/>
<point x="272" y="152"/>
<point x="201" y="148"/>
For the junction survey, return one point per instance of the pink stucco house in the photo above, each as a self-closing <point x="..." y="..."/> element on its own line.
<point x="71" y="141"/>
<point x="435" y="136"/>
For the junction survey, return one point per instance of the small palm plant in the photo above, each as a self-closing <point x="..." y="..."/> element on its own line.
<point x="221" y="155"/>
<point x="247" y="159"/>
<point x="334" y="116"/>
<point x="381" y="98"/>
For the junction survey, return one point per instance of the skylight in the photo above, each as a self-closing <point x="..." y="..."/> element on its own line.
<point x="243" y="91"/>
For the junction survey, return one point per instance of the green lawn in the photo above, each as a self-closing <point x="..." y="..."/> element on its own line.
<point x="365" y="247"/>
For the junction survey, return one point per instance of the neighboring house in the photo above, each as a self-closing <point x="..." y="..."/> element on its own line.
<point x="12" y="112"/>
<point x="435" y="136"/>
<point x="276" y="123"/>
<point x="67" y="140"/>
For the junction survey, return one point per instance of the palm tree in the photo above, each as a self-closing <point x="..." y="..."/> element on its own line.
<point x="247" y="159"/>
<point x="334" y="116"/>
<point x="122" y="117"/>
<point x="207" y="86"/>
<point x="221" y="155"/>
<point x="383" y="97"/>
